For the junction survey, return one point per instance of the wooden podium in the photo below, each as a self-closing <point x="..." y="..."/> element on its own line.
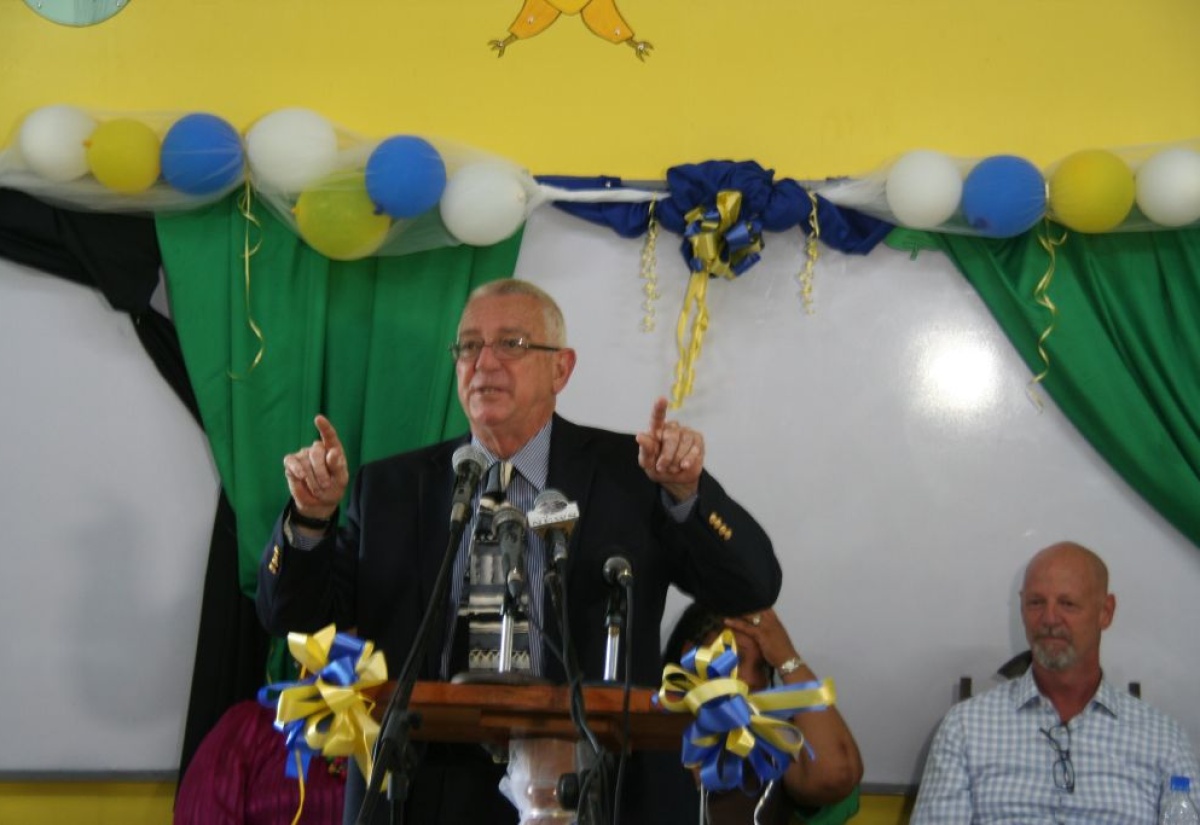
<point x="534" y="722"/>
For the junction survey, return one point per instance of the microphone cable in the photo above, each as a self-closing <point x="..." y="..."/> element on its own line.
<point x="625" y="721"/>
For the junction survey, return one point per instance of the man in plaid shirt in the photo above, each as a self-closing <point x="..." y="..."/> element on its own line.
<point x="1060" y="744"/>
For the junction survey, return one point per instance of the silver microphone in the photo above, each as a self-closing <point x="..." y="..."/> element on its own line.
<point x="508" y="524"/>
<point x="619" y="575"/>
<point x="553" y="518"/>
<point x="469" y="462"/>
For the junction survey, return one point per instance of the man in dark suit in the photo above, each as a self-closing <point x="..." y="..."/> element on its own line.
<point x="646" y="497"/>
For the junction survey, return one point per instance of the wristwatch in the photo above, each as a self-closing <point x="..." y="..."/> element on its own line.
<point x="301" y="520"/>
<point x="791" y="666"/>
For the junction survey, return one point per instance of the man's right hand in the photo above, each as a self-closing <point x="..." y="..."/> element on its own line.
<point x="317" y="475"/>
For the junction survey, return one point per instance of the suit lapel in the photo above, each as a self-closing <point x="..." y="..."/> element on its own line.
<point x="572" y="470"/>
<point x="572" y="464"/>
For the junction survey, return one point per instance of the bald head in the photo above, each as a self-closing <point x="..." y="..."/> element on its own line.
<point x="1090" y="568"/>
<point x="1065" y="605"/>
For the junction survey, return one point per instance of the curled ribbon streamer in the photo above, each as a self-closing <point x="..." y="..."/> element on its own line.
<point x="326" y="712"/>
<point x="733" y="726"/>
<point x="1041" y="294"/>
<point x="649" y="271"/>
<point x="245" y="208"/>
<point x="811" y="252"/>
<point x="300" y="779"/>
<point x="718" y="244"/>
<point x="695" y="299"/>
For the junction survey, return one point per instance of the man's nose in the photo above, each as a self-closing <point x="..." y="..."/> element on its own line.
<point x="487" y="357"/>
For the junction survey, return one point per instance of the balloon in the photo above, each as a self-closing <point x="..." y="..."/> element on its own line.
<point x="335" y="216"/>
<point x="923" y="189"/>
<point x="484" y="203"/>
<point x="289" y="149"/>
<point x="51" y="142"/>
<point x="405" y="176"/>
<point x="1168" y="187"/>
<point x="202" y="154"/>
<point x="1091" y="191"/>
<point x="1003" y="196"/>
<point x="123" y="155"/>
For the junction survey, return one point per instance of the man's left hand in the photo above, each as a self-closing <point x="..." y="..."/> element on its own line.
<point x="672" y="455"/>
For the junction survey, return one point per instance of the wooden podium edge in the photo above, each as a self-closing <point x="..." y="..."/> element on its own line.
<point x="496" y="713"/>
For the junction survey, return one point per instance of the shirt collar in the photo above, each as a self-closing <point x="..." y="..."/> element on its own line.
<point x="532" y="461"/>
<point x="1025" y="693"/>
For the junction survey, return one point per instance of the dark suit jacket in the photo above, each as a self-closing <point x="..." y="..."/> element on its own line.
<point x="377" y="574"/>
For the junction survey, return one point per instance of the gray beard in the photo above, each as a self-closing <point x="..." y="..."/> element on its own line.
<point x="1054" y="661"/>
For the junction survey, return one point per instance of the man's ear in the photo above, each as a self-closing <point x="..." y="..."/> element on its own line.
<point x="1107" y="611"/>
<point x="564" y="365"/>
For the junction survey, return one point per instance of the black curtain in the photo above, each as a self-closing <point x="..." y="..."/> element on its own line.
<point x="119" y="255"/>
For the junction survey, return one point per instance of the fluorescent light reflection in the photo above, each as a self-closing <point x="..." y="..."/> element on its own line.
<point x="957" y="374"/>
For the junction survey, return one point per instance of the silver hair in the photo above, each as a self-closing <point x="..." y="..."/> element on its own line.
<point x="556" y="326"/>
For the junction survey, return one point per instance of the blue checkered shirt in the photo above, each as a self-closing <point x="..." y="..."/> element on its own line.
<point x="990" y="762"/>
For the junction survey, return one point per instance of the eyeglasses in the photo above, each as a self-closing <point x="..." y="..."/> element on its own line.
<point x="1064" y="771"/>
<point x="505" y="349"/>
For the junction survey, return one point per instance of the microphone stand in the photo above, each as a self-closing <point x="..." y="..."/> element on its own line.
<point x="508" y="615"/>
<point x="614" y="621"/>
<point x="592" y="807"/>
<point x="392" y="746"/>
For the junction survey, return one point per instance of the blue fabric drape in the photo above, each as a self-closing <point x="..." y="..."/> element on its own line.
<point x="778" y="205"/>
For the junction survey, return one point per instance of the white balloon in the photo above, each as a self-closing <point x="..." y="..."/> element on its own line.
<point x="1168" y="187"/>
<point x="290" y="149"/>
<point x="52" y="139"/>
<point x="923" y="189"/>
<point x="484" y="203"/>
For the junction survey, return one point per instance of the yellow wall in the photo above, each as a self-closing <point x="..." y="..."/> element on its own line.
<point x="810" y="89"/>
<point x="130" y="803"/>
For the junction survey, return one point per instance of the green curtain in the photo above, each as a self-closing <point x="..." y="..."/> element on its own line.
<point x="1124" y="353"/>
<point x="364" y="342"/>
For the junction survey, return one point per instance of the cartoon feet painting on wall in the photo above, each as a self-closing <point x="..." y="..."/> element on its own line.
<point x="600" y="16"/>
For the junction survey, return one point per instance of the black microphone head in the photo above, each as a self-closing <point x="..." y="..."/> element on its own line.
<point x="618" y="571"/>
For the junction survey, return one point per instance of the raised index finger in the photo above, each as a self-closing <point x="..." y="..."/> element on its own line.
<point x="658" y="417"/>
<point x="329" y="436"/>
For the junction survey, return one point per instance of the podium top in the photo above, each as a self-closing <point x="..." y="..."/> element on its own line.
<point x="497" y="713"/>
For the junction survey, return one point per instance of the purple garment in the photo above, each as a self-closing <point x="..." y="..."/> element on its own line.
<point x="237" y="777"/>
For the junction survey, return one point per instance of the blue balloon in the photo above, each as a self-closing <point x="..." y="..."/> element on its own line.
<point x="405" y="176"/>
<point x="1003" y="196"/>
<point x="201" y="155"/>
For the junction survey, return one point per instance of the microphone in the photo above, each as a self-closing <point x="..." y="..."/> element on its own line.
<point x="618" y="572"/>
<point x="508" y="523"/>
<point x="619" y="575"/>
<point x="469" y="462"/>
<point x="553" y="517"/>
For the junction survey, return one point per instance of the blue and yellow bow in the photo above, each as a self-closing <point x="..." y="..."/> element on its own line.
<point x="716" y="242"/>
<point x="733" y="726"/>
<point x="326" y="712"/>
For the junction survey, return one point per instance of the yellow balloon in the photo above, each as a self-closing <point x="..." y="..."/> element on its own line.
<point x="123" y="155"/>
<point x="336" y="217"/>
<point x="1091" y="191"/>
